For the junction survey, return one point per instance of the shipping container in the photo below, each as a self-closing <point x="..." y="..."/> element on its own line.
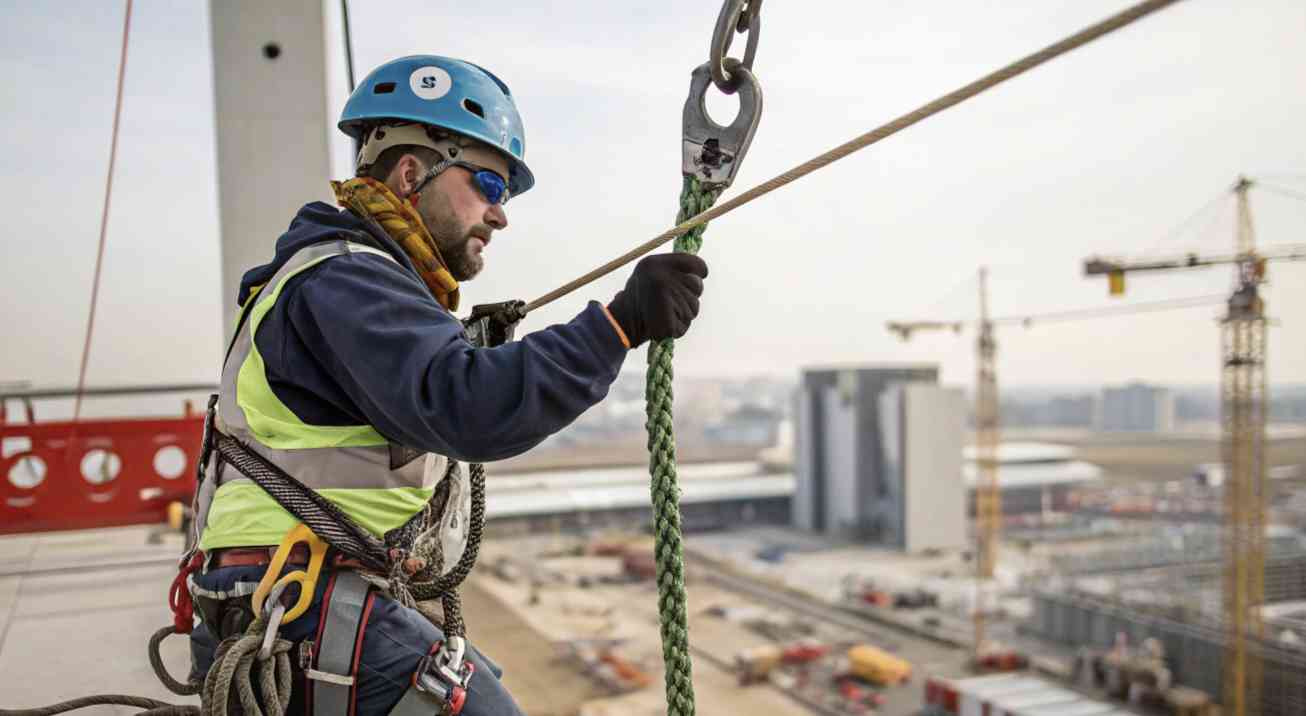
<point x="1019" y="703"/>
<point x="975" y="693"/>
<point x="1079" y="708"/>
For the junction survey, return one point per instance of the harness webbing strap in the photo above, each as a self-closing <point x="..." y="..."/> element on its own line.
<point x="336" y="652"/>
<point x="416" y="702"/>
<point x="326" y="520"/>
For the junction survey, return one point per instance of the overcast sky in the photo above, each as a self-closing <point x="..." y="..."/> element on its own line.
<point x="1106" y="150"/>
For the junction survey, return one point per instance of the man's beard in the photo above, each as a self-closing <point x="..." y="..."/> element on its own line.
<point x="453" y="242"/>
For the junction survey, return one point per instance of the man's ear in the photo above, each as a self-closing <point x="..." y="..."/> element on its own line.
<point x="406" y="174"/>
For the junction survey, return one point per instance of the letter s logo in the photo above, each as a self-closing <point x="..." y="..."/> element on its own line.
<point x="430" y="82"/>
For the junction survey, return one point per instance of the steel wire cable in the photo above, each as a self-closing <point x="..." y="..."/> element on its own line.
<point x="997" y="77"/>
<point x="1078" y="314"/>
<point x="1281" y="191"/>
<point x="1219" y="203"/>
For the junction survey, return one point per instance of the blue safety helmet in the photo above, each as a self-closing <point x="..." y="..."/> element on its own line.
<point x="442" y="92"/>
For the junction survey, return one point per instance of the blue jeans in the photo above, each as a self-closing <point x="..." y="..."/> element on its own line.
<point x="394" y="641"/>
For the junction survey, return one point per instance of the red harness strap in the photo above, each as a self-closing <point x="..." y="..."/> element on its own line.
<point x="183" y="609"/>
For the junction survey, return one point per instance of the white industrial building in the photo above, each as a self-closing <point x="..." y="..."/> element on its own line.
<point x="1033" y="477"/>
<point x="878" y="456"/>
<point x="1136" y="407"/>
<point x="712" y="496"/>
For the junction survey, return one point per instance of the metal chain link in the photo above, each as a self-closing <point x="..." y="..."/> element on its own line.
<point x="737" y="16"/>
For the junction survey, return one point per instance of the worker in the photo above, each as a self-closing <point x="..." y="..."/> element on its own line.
<point x="350" y="375"/>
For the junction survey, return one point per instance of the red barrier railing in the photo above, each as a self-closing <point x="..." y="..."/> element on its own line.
<point x="95" y="473"/>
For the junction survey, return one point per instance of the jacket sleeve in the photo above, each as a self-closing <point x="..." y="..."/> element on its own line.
<point x="403" y="360"/>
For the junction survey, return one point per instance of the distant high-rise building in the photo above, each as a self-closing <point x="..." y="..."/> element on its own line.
<point x="1071" y="410"/>
<point x="1136" y="407"/>
<point x="878" y="456"/>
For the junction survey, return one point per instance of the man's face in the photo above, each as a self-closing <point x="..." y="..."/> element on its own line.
<point x="458" y="215"/>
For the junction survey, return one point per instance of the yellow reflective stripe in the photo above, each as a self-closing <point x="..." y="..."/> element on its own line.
<point x="270" y="421"/>
<point x="242" y="514"/>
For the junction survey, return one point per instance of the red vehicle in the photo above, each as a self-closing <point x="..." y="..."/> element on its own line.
<point x="804" y="652"/>
<point x="877" y="598"/>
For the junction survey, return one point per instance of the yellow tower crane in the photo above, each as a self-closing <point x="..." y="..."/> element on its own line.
<point x="1243" y="410"/>
<point x="988" y="499"/>
<point x="988" y="496"/>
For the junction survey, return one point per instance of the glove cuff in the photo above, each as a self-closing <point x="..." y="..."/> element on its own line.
<point x="626" y="318"/>
<point x="617" y="327"/>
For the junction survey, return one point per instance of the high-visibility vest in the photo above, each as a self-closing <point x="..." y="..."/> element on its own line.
<point x="379" y="484"/>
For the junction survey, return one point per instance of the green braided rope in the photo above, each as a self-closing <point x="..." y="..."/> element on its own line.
<point x="694" y="199"/>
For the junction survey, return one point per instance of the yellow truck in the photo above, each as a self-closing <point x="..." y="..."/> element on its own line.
<point x="877" y="666"/>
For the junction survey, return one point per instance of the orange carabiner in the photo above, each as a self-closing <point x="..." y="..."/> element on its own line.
<point x="307" y="579"/>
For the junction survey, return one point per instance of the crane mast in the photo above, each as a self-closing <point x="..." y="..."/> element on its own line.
<point x="1243" y="411"/>
<point x="988" y="496"/>
<point x="988" y="504"/>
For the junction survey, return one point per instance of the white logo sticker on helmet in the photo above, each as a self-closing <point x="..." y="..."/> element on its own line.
<point x="430" y="82"/>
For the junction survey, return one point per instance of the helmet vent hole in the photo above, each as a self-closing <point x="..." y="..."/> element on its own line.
<point x="384" y="88"/>
<point x="474" y="108"/>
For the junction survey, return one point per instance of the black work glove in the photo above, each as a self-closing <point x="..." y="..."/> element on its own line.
<point x="660" y="298"/>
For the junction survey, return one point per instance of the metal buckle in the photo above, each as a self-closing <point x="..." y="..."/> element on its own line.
<point x="445" y="673"/>
<point x="450" y="659"/>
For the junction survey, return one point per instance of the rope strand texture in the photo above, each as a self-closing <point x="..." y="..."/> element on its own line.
<point x="997" y="77"/>
<point x="694" y="198"/>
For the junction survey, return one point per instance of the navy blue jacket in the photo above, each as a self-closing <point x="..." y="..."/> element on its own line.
<point x="358" y="339"/>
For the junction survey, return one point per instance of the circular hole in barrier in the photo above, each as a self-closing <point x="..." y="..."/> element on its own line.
<point x="170" y="462"/>
<point x="27" y="472"/>
<point x="100" y="466"/>
<point x="272" y="50"/>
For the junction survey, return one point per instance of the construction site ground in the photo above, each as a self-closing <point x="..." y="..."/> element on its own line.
<point x="540" y="580"/>
<point x="76" y="608"/>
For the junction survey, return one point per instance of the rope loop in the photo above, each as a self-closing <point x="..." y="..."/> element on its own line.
<point x="234" y="664"/>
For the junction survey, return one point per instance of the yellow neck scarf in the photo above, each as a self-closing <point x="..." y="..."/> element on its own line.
<point x="368" y="197"/>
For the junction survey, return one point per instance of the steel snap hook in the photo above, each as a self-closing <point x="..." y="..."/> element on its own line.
<point x="710" y="151"/>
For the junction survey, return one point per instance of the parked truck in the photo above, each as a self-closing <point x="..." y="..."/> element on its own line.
<point x="755" y="665"/>
<point x="877" y="666"/>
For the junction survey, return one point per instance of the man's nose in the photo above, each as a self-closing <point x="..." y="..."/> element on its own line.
<point x="496" y="217"/>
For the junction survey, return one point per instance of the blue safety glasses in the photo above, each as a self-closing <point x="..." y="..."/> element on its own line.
<point x="492" y="186"/>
